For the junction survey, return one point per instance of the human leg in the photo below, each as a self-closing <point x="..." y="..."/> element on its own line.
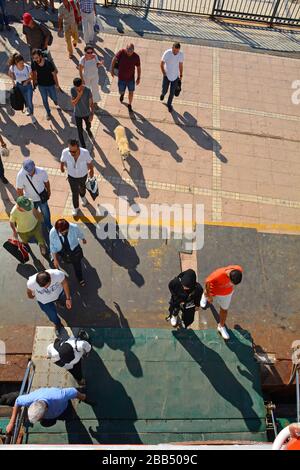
<point x="74" y="185"/>
<point x="44" y="208"/>
<point x="80" y="131"/>
<point x="44" y="94"/>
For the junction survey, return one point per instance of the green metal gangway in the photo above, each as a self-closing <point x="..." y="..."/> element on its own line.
<point x="150" y="386"/>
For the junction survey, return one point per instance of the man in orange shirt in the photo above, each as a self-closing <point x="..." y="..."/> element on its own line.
<point x="219" y="285"/>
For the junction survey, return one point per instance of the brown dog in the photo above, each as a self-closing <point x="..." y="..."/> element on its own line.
<point x="122" y="141"/>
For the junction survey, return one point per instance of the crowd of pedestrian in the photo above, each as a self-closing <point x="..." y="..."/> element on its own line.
<point x="60" y="240"/>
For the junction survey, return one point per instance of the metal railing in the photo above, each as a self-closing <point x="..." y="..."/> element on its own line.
<point x="25" y="388"/>
<point x="284" y="12"/>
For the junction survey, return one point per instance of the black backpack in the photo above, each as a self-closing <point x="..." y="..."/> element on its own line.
<point x="16" y="99"/>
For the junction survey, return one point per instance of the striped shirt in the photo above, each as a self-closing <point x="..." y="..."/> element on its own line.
<point x="86" y="6"/>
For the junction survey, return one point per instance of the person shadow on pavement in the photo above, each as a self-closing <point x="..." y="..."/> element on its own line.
<point x="220" y="376"/>
<point x="123" y="341"/>
<point x="200" y="136"/>
<point x="117" y="248"/>
<point x="157" y="137"/>
<point x="121" y="187"/>
<point x="112" y="406"/>
<point x="8" y="204"/>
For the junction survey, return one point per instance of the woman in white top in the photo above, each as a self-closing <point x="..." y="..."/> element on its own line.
<point x="88" y="69"/>
<point x="21" y="76"/>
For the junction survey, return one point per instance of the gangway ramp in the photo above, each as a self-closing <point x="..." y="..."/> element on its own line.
<point x="155" y="386"/>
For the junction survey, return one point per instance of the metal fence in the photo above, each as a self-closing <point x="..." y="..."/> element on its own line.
<point x="285" y="12"/>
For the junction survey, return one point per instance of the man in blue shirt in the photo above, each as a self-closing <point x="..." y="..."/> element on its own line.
<point x="45" y="405"/>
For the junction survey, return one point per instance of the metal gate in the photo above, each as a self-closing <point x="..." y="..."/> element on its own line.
<point x="284" y="12"/>
<point x="268" y="11"/>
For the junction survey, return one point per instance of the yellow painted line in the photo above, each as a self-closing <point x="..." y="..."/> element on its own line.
<point x="147" y="222"/>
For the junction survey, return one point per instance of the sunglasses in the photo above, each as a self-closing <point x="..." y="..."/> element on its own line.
<point x="89" y="52"/>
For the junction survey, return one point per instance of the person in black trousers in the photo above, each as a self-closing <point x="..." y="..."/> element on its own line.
<point x="186" y="294"/>
<point x="82" y="100"/>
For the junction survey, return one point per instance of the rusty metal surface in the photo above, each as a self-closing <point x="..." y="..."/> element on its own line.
<point x="14" y="369"/>
<point x="18" y="339"/>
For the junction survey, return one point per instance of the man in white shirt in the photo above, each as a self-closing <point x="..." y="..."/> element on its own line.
<point x="48" y="287"/>
<point x="172" y="69"/>
<point x="68" y="354"/>
<point x="78" y="162"/>
<point x="33" y="182"/>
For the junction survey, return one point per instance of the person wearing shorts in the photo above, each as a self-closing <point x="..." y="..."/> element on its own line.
<point x="127" y="60"/>
<point x="219" y="286"/>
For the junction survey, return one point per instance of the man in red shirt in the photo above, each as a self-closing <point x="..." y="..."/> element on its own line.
<point x="126" y="60"/>
<point x="219" y="285"/>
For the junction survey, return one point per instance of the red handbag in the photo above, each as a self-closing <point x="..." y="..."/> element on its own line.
<point x="17" y="249"/>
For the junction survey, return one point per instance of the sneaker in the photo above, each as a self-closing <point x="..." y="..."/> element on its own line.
<point x="27" y="112"/>
<point x="75" y="211"/>
<point x="170" y="108"/>
<point x="43" y="250"/>
<point x="203" y="302"/>
<point x="84" y="201"/>
<point x="130" y="108"/>
<point x="48" y="117"/>
<point x="122" y="98"/>
<point x="161" y="97"/>
<point x="4" y="180"/>
<point x="223" y="332"/>
<point x="173" y="320"/>
<point x="33" y="120"/>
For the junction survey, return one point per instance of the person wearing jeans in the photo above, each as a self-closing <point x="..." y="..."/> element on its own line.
<point x="3" y="16"/>
<point x="82" y="101"/>
<point x="48" y="287"/>
<point x="45" y="77"/>
<point x="172" y="68"/>
<point x="31" y="181"/>
<point x="88" y="12"/>
<point x="21" y="76"/>
<point x="78" y="162"/>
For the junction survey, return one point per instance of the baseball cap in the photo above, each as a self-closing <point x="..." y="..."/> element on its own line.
<point x="25" y="203"/>
<point x="27" y="18"/>
<point x="29" y="165"/>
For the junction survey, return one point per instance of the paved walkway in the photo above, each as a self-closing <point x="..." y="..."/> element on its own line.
<point x="231" y="144"/>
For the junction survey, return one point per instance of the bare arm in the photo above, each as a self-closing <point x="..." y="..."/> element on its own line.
<point x="37" y="214"/>
<point x="139" y="70"/>
<point x="47" y="186"/>
<point x="91" y="170"/>
<point x="60" y="24"/>
<point x="66" y="288"/>
<point x="62" y="167"/>
<point x="3" y="144"/>
<point x="34" y="77"/>
<point x="30" y="294"/>
<point x="81" y="67"/>
<point x="12" y="76"/>
<point x="113" y="66"/>
<point x="13" y="227"/>
<point x="162" y="67"/>
<point x="12" y="422"/>
<point x="74" y="101"/>
<point x="20" y="191"/>
<point x="181" y="69"/>
<point x="55" y="78"/>
<point x="81" y="396"/>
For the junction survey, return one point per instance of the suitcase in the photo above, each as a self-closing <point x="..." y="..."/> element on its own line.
<point x="17" y="249"/>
